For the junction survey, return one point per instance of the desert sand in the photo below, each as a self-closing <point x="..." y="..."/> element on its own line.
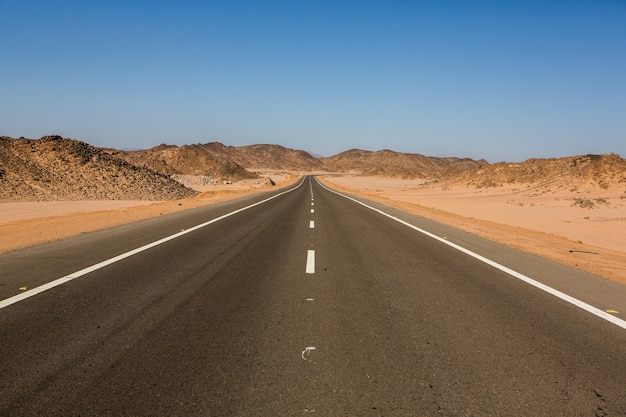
<point x="24" y="224"/>
<point x="582" y="226"/>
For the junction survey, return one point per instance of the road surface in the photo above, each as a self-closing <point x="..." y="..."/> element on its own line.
<point x="307" y="303"/>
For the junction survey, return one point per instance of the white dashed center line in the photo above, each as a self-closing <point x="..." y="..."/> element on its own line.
<point x="312" y="210"/>
<point x="312" y="224"/>
<point x="310" y="262"/>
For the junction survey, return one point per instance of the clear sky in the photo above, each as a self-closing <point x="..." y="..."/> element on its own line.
<point x="500" y="80"/>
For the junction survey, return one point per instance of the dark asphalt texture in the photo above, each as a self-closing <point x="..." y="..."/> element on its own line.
<point x="224" y="321"/>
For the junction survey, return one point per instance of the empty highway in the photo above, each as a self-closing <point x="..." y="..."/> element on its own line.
<point x="303" y="302"/>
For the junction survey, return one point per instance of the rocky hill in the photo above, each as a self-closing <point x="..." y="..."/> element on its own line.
<point x="395" y="164"/>
<point x="54" y="168"/>
<point x="263" y="156"/>
<point x="220" y="162"/>
<point x="603" y="171"/>
<point x="232" y="163"/>
<point x="194" y="160"/>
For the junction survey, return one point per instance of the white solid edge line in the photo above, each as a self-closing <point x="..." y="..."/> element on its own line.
<point x="568" y="298"/>
<point x="44" y="287"/>
<point x="310" y="261"/>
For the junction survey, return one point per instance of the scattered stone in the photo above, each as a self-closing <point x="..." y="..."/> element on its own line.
<point x="583" y="203"/>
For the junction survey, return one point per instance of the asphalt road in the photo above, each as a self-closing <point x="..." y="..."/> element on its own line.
<point x="306" y="304"/>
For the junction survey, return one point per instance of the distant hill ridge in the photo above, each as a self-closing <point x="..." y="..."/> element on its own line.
<point x="170" y="159"/>
<point x="186" y="160"/>
<point x="56" y="168"/>
<point x="226" y="162"/>
<point x="603" y="171"/>
<point x="395" y="164"/>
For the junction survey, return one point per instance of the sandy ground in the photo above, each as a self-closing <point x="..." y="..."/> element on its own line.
<point x="32" y="223"/>
<point x="549" y="223"/>
<point x="14" y="211"/>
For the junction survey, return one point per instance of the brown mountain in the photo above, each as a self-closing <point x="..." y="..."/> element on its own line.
<point x="216" y="160"/>
<point x="187" y="160"/>
<point x="54" y="168"/>
<point x="263" y="156"/>
<point x="602" y="170"/>
<point x="395" y="164"/>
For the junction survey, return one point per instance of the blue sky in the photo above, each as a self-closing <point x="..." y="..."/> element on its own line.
<point x="500" y="80"/>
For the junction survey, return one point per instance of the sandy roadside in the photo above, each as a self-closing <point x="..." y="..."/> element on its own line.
<point x="33" y="223"/>
<point x="548" y="224"/>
